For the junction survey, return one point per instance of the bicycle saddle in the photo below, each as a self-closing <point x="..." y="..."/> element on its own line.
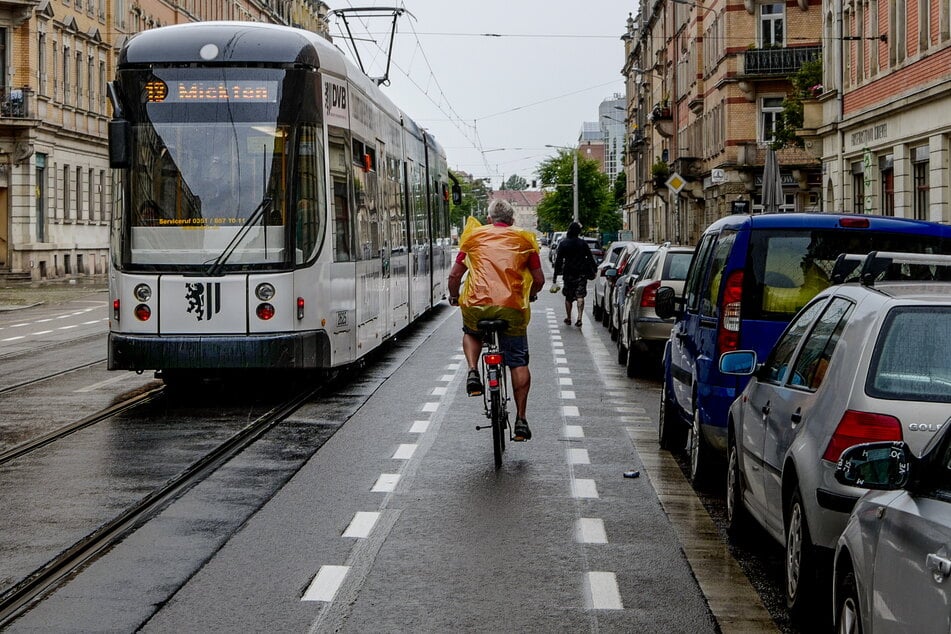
<point x="490" y="325"/>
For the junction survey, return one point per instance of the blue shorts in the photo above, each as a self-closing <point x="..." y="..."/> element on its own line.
<point x="514" y="348"/>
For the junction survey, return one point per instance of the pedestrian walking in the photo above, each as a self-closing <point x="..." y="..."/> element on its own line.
<point x="576" y="265"/>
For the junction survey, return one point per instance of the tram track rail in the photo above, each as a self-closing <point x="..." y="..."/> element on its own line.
<point x="47" y="377"/>
<point x="18" y="598"/>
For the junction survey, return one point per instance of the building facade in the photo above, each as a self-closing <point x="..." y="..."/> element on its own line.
<point x="525" y="202"/>
<point x="56" y="186"/>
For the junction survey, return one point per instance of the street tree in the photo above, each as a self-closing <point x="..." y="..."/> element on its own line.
<point x="596" y="207"/>
<point x="475" y="197"/>
<point x="515" y="182"/>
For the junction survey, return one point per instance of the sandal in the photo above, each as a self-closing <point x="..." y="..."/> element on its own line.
<point x="521" y="433"/>
<point x="474" y="385"/>
<point x="578" y="323"/>
<point x="567" y="322"/>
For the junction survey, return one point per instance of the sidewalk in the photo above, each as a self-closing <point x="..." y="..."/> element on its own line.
<point x="18" y="296"/>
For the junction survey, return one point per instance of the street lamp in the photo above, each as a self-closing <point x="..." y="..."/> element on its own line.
<point x="574" y="176"/>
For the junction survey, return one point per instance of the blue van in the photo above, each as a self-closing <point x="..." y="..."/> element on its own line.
<point x="749" y="276"/>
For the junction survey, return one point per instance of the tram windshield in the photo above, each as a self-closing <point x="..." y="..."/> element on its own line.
<point x="211" y="167"/>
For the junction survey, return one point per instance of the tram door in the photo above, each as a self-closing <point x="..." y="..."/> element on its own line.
<point x="343" y="269"/>
<point x="370" y="265"/>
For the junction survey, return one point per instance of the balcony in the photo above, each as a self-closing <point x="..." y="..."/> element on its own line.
<point x="770" y="62"/>
<point x="15" y="12"/>
<point x="16" y="103"/>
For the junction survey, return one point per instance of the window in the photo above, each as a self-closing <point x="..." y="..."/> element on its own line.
<point x="90" y="83"/>
<point x="103" y="216"/>
<point x="772" y="30"/>
<point x="887" y="170"/>
<point x="910" y="363"/>
<point x="697" y="271"/>
<point x="55" y="72"/>
<point x="777" y="364"/>
<point x="41" y="61"/>
<point x="858" y="187"/>
<point x="91" y="194"/>
<point x="66" y="207"/>
<point x="771" y="109"/>
<point x="79" y="193"/>
<point x="79" y="78"/>
<point x="343" y="215"/>
<point x="919" y="169"/>
<point x="310" y="211"/>
<point x="816" y="353"/>
<point x="66" y="62"/>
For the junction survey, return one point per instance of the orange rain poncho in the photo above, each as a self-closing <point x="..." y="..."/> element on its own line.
<point x="499" y="282"/>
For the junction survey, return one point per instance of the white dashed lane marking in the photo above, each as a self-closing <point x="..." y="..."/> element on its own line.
<point x="386" y="483"/>
<point x="603" y="592"/>
<point x="361" y="525"/>
<point x="574" y="431"/>
<point x="570" y="411"/>
<point x="430" y="407"/>
<point x="584" y="488"/>
<point x="404" y="452"/>
<point x="419" y="427"/>
<point x="326" y="583"/>
<point x="590" y="530"/>
<point x="578" y="456"/>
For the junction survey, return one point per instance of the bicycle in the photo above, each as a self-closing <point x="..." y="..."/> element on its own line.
<point x="495" y="391"/>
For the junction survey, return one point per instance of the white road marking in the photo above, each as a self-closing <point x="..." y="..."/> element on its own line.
<point x="430" y="407"/>
<point x="63" y="316"/>
<point x="446" y="378"/>
<point x="603" y="593"/>
<point x="386" y="483"/>
<point x="439" y="391"/>
<point x="42" y="332"/>
<point x="630" y="410"/>
<point x="565" y="381"/>
<point x="13" y="338"/>
<point x="419" y="427"/>
<point x="17" y="325"/>
<point x="452" y="366"/>
<point x="43" y="321"/>
<point x="560" y="359"/>
<point x="564" y="370"/>
<point x="590" y="530"/>
<point x="361" y="525"/>
<point x="68" y="327"/>
<point x="115" y="379"/>
<point x="574" y="431"/>
<point x="584" y="488"/>
<point x="404" y="452"/>
<point x="458" y="357"/>
<point x="89" y="323"/>
<point x="578" y="456"/>
<point x="570" y="410"/>
<point x="326" y="583"/>
<point x="568" y="394"/>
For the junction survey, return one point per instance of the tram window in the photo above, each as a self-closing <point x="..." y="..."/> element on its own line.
<point x="310" y="214"/>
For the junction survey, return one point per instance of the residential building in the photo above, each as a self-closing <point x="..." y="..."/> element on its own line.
<point x="525" y="202"/>
<point x="56" y="186"/>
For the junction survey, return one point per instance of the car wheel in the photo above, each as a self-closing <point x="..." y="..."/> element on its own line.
<point x="621" y="349"/>
<point x="848" y="614"/>
<point x="596" y="310"/>
<point x="633" y="360"/>
<point x="699" y="450"/>
<point x="737" y="517"/>
<point x="670" y="431"/>
<point x="800" y="558"/>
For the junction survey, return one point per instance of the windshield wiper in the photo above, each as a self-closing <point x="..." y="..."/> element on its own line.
<point x="216" y="267"/>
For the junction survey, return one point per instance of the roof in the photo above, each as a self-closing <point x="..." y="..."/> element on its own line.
<point x="519" y="197"/>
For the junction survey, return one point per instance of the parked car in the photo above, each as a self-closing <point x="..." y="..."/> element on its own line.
<point x="892" y="563"/>
<point x="748" y="278"/>
<point x="601" y="282"/>
<point x="636" y="262"/>
<point x="596" y="251"/>
<point x="641" y="333"/>
<point x="859" y="363"/>
<point x="553" y="249"/>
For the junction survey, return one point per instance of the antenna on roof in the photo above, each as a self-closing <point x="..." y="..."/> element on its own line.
<point x="372" y="12"/>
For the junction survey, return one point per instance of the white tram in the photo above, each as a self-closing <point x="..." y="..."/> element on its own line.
<point x="276" y="210"/>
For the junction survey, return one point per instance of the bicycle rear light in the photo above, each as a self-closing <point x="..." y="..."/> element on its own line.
<point x="493" y="359"/>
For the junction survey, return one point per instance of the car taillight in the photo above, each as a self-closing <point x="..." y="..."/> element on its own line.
<point x="728" y="335"/>
<point x="493" y="359"/>
<point x="649" y="296"/>
<point x="854" y="223"/>
<point x="856" y="428"/>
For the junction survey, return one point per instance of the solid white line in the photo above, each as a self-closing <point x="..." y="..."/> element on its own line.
<point x="419" y="427"/>
<point x="565" y="381"/>
<point x="430" y="407"/>
<point x="95" y="386"/>
<point x="578" y="456"/>
<point x="361" y="525"/>
<point x="439" y="391"/>
<point x="386" y="483"/>
<point x="404" y="452"/>
<point x="603" y="591"/>
<point x="590" y="530"/>
<point x="570" y="410"/>
<point x="42" y="332"/>
<point x="568" y="394"/>
<point x="574" y="431"/>
<point x="326" y="583"/>
<point x="584" y="488"/>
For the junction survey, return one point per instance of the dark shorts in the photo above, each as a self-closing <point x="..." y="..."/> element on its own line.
<point x="514" y="348"/>
<point x="574" y="288"/>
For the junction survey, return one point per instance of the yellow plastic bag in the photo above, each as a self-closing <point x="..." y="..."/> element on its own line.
<point x="499" y="283"/>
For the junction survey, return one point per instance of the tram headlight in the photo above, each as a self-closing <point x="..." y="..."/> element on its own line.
<point x="264" y="291"/>
<point x="142" y="312"/>
<point x="265" y="311"/>
<point x="142" y="292"/>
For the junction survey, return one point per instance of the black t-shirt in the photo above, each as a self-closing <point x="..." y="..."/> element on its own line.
<point x="574" y="258"/>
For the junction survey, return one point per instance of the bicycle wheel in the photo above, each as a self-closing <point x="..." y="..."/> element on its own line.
<point x="498" y="418"/>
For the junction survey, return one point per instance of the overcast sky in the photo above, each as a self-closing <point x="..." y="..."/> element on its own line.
<point x="551" y="65"/>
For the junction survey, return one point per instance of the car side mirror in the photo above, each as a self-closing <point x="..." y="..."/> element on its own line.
<point x="739" y="363"/>
<point x="884" y="466"/>
<point x="120" y="148"/>
<point x="610" y="273"/>
<point x="456" y="194"/>
<point x="665" y="303"/>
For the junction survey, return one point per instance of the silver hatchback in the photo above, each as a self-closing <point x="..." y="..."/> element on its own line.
<point x="859" y="363"/>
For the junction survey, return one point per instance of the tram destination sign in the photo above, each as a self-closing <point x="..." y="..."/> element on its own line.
<point x="255" y="91"/>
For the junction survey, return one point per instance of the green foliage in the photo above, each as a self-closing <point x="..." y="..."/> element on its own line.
<point x="806" y="84"/>
<point x="475" y="201"/>
<point x="515" y="182"/>
<point x="620" y="189"/>
<point x="596" y="206"/>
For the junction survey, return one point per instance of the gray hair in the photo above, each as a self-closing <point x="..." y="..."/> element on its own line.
<point x="502" y="211"/>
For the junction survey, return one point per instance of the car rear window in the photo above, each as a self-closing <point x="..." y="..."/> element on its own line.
<point x="910" y="361"/>
<point x="788" y="268"/>
<point x="676" y="266"/>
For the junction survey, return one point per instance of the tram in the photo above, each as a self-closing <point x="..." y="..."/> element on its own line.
<point x="274" y="209"/>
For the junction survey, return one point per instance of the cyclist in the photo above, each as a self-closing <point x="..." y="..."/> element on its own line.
<point x="505" y="274"/>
